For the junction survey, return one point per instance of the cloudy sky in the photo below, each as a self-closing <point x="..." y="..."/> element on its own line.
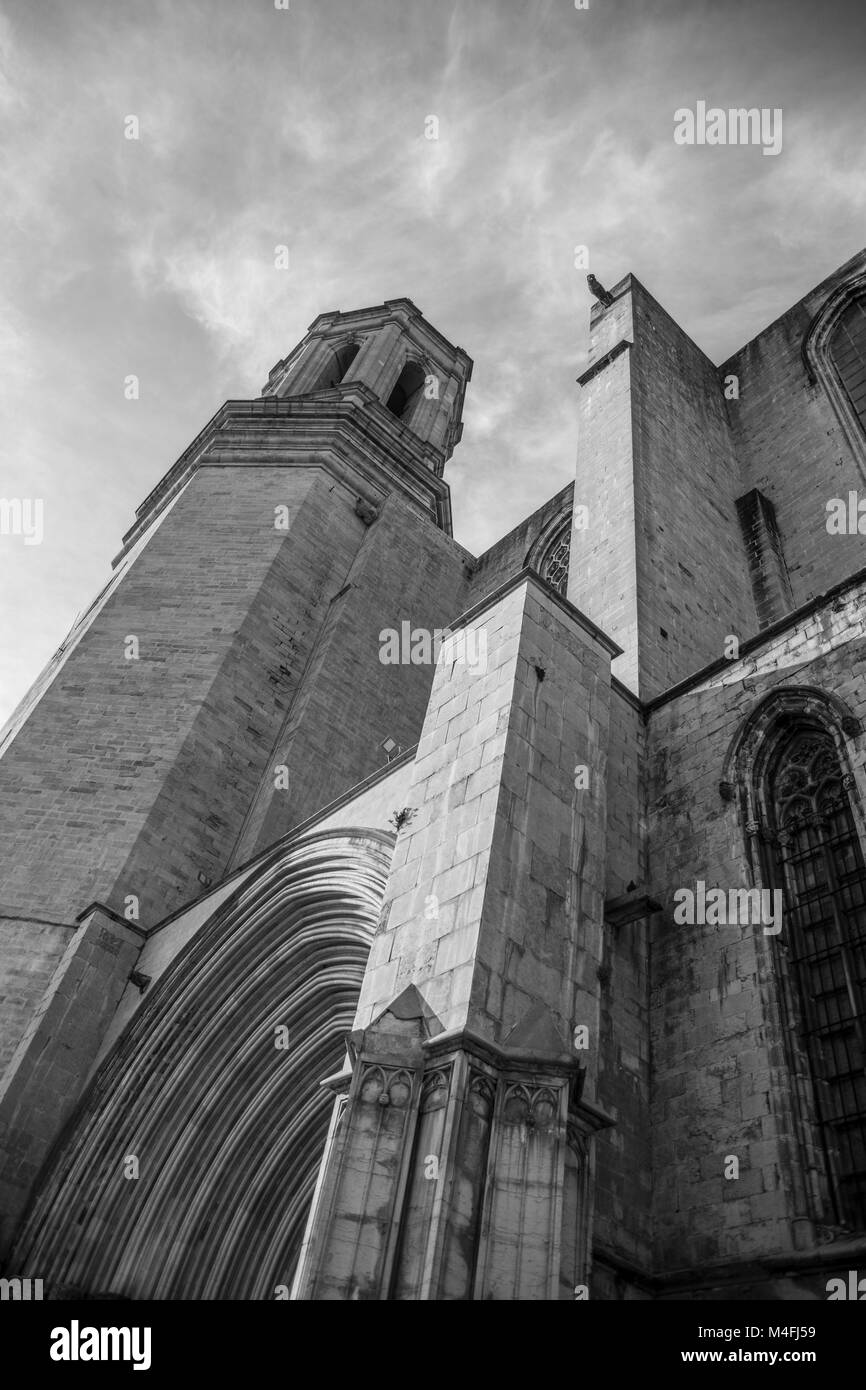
<point x="305" y="127"/>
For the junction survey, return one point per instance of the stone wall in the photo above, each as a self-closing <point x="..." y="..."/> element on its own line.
<point x="791" y="443"/>
<point x="602" y="578"/>
<point x="407" y="574"/>
<point x="693" y="584"/>
<point x="720" y="1086"/>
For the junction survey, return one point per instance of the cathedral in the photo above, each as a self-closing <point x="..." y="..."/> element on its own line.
<point x="383" y="921"/>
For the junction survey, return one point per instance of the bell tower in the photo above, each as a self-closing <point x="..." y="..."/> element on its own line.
<point x="227" y="682"/>
<point x="404" y="364"/>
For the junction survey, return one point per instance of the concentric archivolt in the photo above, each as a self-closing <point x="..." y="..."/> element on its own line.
<point x="226" y="1126"/>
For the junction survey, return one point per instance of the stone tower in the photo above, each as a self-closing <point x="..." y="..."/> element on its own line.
<point x="239" y="634"/>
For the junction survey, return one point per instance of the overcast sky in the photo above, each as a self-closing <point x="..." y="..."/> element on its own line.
<point x="305" y="127"/>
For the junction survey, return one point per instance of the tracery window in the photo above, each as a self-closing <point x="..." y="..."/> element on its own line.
<point x="848" y="354"/>
<point x="824" y="880"/>
<point x="554" y="564"/>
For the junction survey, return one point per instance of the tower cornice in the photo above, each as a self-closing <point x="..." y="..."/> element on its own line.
<point x="382" y="454"/>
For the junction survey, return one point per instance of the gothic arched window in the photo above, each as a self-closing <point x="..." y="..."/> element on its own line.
<point x="848" y="354"/>
<point x="554" y="562"/>
<point x="820" y="866"/>
<point x="834" y="355"/>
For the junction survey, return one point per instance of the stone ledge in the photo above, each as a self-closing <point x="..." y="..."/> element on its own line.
<point x="791" y="620"/>
<point x="586" y="377"/>
<point x="529" y="575"/>
<point x="134" y="927"/>
<point x="629" y="907"/>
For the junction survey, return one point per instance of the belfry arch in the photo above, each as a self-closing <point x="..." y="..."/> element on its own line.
<point x="226" y="1123"/>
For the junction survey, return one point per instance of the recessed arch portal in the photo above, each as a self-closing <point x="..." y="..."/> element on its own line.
<point x="227" y="1128"/>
